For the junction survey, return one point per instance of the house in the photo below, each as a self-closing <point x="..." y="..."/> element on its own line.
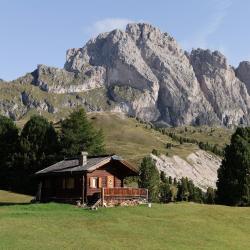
<point x="89" y="180"/>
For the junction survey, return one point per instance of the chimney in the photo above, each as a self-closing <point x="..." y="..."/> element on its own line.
<point x="83" y="158"/>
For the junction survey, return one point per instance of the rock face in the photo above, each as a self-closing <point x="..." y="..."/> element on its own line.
<point x="150" y="63"/>
<point x="200" y="166"/>
<point x="60" y="81"/>
<point x="243" y="73"/>
<point x="224" y="91"/>
<point x="142" y="72"/>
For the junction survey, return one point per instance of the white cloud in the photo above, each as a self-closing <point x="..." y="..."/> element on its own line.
<point x="200" y="39"/>
<point x="107" y="24"/>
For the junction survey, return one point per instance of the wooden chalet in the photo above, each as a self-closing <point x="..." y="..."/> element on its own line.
<point x="89" y="180"/>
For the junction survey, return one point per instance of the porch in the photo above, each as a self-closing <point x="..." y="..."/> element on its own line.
<point x="120" y="195"/>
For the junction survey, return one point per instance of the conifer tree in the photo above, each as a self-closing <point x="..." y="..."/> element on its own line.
<point x="149" y="178"/>
<point x="234" y="173"/>
<point x="38" y="147"/>
<point x="210" y="196"/>
<point x="78" y="134"/>
<point x="8" y="146"/>
<point x="165" y="193"/>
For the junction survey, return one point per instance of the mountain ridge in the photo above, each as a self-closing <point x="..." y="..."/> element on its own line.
<point x="142" y="72"/>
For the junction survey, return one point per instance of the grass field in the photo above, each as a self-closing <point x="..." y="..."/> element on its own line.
<point x="13" y="198"/>
<point x="172" y="226"/>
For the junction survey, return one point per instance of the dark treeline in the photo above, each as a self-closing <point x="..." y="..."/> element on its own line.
<point x="165" y="189"/>
<point x="39" y="144"/>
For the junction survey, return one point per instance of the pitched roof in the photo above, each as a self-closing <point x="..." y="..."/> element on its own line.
<point x="72" y="165"/>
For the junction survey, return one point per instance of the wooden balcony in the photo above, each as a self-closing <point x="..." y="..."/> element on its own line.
<point x="120" y="194"/>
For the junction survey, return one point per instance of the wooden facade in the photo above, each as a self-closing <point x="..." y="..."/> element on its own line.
<point x="90" y="185"/>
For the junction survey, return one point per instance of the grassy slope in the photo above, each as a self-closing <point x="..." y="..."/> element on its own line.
<point x="9" y="197"/>
<point x="173" y="226"/>
<point x="212" y="135"/>
<point x="130" y="139"/>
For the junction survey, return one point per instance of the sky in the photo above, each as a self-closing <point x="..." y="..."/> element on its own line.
<point x="36" y="32"/>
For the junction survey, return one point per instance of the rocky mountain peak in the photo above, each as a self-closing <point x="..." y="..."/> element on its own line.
<point x="145" y="73"/>
<point x="243" y="73"/>
<point x="213" y="58"/>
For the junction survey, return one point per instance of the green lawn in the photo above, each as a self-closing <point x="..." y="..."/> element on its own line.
<point x="172" y="226"/>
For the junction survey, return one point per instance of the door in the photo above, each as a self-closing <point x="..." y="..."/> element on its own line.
<point x="110" y="181"/>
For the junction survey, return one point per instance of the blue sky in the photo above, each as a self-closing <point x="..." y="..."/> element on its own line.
<point x="39" y="32"/>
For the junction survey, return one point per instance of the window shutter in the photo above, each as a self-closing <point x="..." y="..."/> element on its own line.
<point x="100" y="182"/>
<point x="110" y="183"/>
<point x="91" y="182"/>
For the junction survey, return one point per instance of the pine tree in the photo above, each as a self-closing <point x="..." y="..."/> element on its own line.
<point x="78" y="134"/>
<point x="234" y="173"/>
<point x="8" y="146"/>
<point x="38" y="147"/>
<point x="165" y="193"/>
<point x="175" y="182"/>
<point x="170" y="180"/>
<point x="210" y="196"/>
<point x="149" y="178"/>
<point x="163" y="177"/>
<point x="191" y="187"/>
<point x="183" y="192"/>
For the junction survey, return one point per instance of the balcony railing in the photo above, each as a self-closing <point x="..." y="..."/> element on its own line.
<point x="124" y="193"/>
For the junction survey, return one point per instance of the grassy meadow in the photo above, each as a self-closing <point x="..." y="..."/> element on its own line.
<point x="213" y="135"/>
<point x="13" y="198"/>
<point x="171" y="226"/>
<point x="133" y="140"/>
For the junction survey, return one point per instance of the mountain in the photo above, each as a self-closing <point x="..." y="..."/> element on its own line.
<point x="142" y="72"/>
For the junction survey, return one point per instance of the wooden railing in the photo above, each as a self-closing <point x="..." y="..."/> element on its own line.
<point x="124" y="193"/>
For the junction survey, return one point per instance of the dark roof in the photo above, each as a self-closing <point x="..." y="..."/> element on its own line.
<point x="72" y="165"/>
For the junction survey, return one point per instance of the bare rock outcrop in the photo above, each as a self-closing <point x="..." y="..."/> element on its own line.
<point x="223" y="90"/>
<point x="60" y="81"/>
<point x="201" y="167"/>
<point x="243" y="73"/>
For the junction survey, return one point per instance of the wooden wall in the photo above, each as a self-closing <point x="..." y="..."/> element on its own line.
<point x="109" y="169"/>
<point x="52" y="188"/>
<point x="56" y="191"/>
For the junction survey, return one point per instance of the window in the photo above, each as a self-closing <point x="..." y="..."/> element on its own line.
<point x="95" y="182"/>
<point x="110" y="181"/>
<point x="68" y="183"/>
<point x="47" y="183"/>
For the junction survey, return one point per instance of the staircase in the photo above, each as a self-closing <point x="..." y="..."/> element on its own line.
<point x="96" y="204"/>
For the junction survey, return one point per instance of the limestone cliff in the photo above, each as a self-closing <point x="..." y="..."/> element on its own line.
<point x="142" y="72"/>
<point x="200" y="166"/>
